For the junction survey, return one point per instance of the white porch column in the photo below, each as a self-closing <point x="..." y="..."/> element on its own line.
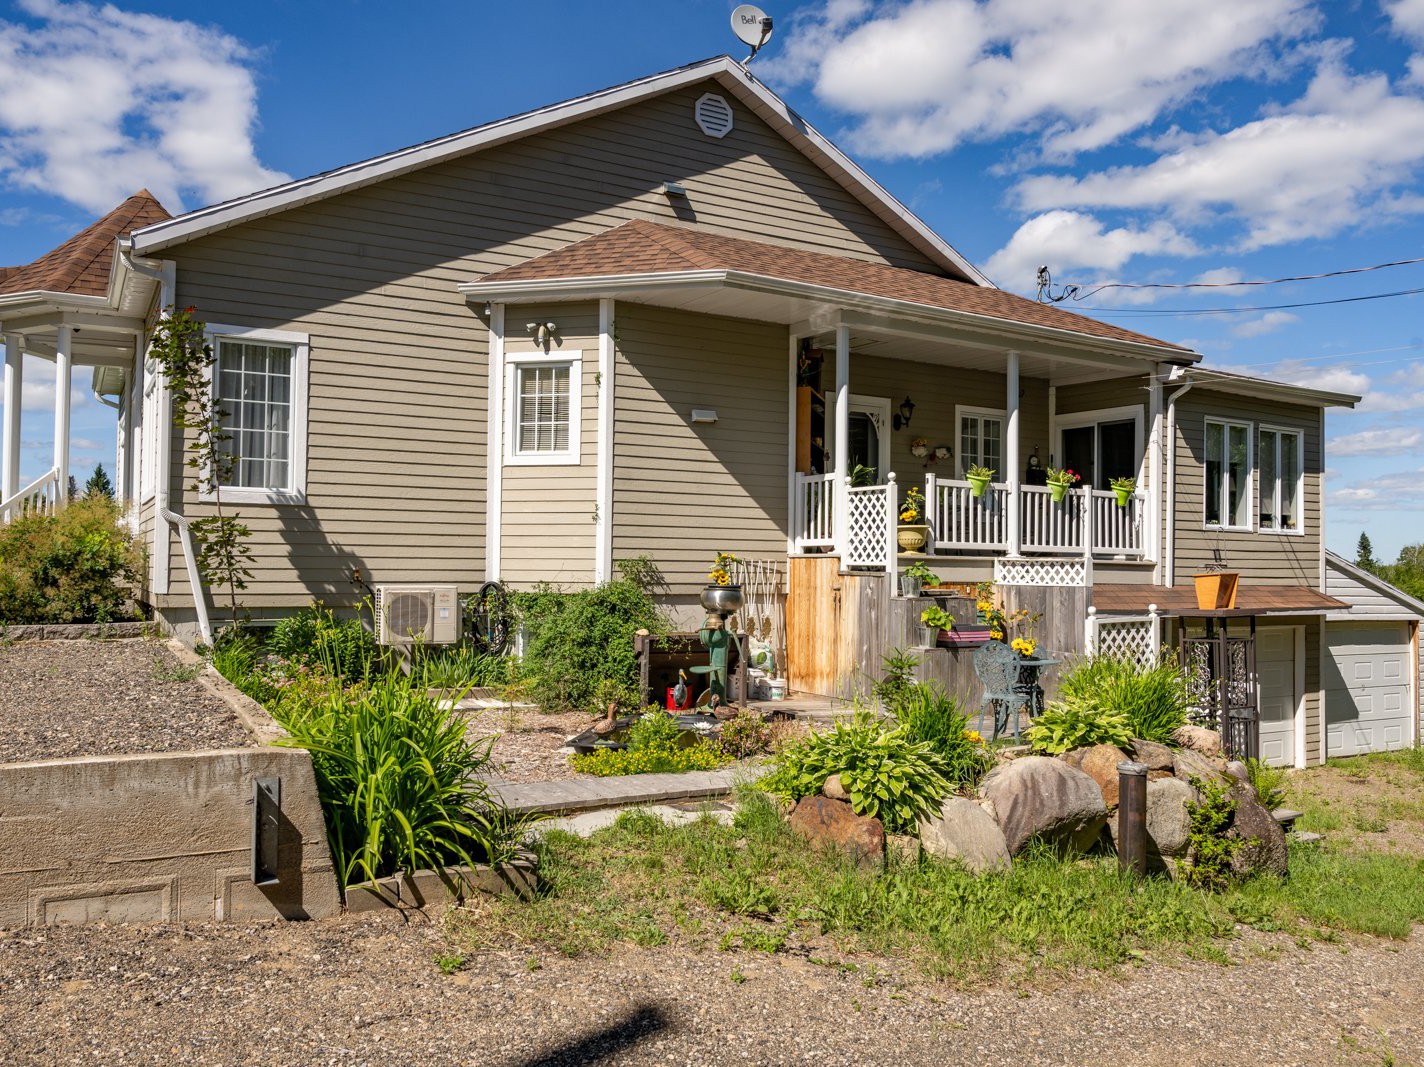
<point x="1011" y="452"/>
<point x="842" y="443"/>
<point x="494" y="447"/>
<point x="63" y="375"/>
<point x="1152" y="516"/>
<point x="12" y="397"/>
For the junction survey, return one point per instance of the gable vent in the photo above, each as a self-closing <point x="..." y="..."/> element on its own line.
<point x="714" y="115"/>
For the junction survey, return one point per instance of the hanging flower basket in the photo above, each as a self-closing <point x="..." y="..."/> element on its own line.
<point x="1059" y="491"/>
<point x="977" y="484"/>
<point x="1123" y="488"/>
<point x="1060" y="480"/>
<point x="1123" y="496"/>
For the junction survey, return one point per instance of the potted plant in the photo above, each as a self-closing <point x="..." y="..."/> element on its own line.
<point x="1024" y="646"/>
<point x="913" y="533"/>
<point x="936" y="620"/>
<point x="1216" y="589"/>
<point x="915" y="577"/>
<point x="979" y="478"/>
<point x="721" y="594"/>
<point x="1060" y="480"/>
<point x="1124" y="488"/>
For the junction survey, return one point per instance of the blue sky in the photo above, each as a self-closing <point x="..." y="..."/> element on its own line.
<point x="1178" y="141"/>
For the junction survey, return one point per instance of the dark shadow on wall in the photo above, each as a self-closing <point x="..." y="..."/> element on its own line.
<point x="605" y="1044"/>
<point x="327" y="569"/>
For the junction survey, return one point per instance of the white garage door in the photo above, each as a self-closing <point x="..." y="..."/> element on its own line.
<point x="1367" y="687"/>
<point x="1276" y="694"/>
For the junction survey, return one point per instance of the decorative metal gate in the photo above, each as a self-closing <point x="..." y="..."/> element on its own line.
<point x="1221" y="681"/>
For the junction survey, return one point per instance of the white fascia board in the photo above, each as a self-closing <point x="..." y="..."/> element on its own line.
<point x="728" y="73"/>
<point x="1264" y="389"/>
<point x="616" y="285"/>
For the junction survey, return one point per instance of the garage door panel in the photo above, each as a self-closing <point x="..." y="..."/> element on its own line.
<point x="1368" y="693"/>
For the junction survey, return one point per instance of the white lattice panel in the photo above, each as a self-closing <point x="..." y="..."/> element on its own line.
<point x="1137" y="638"/>
<point x="868" y="536"/>
<point x="1052" y="572"/>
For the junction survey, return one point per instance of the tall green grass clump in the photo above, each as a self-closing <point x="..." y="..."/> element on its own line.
<point x="316" y="638"/>
<point x="396" y="775"/>
<point x="1153" y="697"/>
<point x="463" y="667"/>
<point x="930" y="715"/>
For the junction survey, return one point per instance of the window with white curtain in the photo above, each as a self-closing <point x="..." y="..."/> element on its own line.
<point x="544" y="401"/>
<point x="1281" y="474"/>
<point x="981" y="440"/>
<point x="259" y="381"/>
<point x="1228" y="475"/>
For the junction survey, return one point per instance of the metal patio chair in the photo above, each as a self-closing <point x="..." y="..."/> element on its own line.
<point x="1000" y="669"/>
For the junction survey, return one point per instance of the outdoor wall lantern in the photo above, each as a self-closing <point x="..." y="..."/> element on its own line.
<point x="907" y="408"/>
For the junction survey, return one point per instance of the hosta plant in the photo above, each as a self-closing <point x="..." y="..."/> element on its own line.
<point x="1065" y="726"/>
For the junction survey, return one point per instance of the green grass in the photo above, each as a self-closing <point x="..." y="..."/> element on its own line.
<point x="755" y="886"/>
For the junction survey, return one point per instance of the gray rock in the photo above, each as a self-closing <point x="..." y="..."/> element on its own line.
<point x="964" y="831"/>
<point x="833" y="788"/>
<point x="1168" y="820"/>
<point x="1198" y="739"/>
<point x="1037" y="797"/>
<point x="1265" y="842"/>
<point x="1238" y="770"/>
<point x="1191" y="764"/>
<point x="1157" y="757"/>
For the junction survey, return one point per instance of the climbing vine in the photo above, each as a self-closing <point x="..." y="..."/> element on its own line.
<point x="180" y="348"/>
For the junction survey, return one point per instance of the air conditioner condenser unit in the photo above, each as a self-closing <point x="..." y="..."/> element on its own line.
<point x="411" y="614"/>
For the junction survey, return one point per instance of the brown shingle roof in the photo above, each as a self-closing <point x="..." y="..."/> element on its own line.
<point x="83" y="263"/>
<point x="642" y="247"/>
<point x="1251" y="599"/>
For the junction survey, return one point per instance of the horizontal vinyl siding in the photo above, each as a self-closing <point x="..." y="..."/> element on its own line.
<point x="548" y="524"/>
<point x="1270" y="559"/>
<point x="682" y="492"/>
<point x="397" y="454"/>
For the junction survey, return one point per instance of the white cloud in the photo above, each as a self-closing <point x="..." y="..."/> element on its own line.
<point x="924" y="76"/>
<point x="1407" y="17"/>
<point x="96" y="103"/>
<point x="1398" y="491"/>
<point x="1067" y="240"/>
<point x="1376" y="443"/>
<point x="1267" y="323"/>
<point x="37" y="386"/>
<point x="1272" y="172"/>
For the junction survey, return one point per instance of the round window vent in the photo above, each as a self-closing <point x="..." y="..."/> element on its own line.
<point x="713" y="114"/>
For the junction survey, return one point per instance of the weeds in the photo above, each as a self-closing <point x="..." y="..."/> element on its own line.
<point x="163" y="671"/>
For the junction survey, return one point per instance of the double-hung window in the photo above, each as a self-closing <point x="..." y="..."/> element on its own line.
<point x="259" y="380"/>
<point x="981" y="440"/>
<point x="1228" y="475"/>
<point x="544" y="401"/>
<point x="1280" y="453"/>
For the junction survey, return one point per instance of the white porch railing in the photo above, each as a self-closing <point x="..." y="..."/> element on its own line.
<point x="1049" y="527"/>
<point x="870" y="534"/>
<point x="815" y="511"/>
<point x="1118" y="531"/>
<point x="959" y="520"/>
<point x="43" y="496"/>
<point x="1135" y="637"/>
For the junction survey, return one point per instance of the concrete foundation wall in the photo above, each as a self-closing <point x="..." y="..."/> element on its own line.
<point x="158" y="838"/>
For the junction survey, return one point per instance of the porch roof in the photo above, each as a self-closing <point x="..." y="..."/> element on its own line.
<point x="643" y="252"/>
<point x="83" y="264"/>
<point x="1181" y="600"/>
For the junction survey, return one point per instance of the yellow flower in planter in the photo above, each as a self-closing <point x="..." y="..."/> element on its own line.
<point x="721" y="572"/>
<point x="1025" y="645"/>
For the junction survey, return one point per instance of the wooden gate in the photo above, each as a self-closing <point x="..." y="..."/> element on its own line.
<point x="835" y="627"/>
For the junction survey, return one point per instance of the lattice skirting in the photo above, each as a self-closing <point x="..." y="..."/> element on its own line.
<point x="1136" y="637"/>
<point x="1051" y="572"/>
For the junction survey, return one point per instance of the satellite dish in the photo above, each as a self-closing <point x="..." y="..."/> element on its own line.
<point x="752" y="26"/>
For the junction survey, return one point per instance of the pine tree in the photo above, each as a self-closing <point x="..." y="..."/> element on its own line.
<point x="1365" y="554"/>
<point x="99" y="484"/>
<point x="73" y="488"/>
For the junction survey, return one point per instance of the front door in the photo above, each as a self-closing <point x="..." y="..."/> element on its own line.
<point x="1276" y="694"/>
<point x="869" y="439"/>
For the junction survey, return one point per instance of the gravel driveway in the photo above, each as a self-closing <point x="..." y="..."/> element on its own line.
<point x="366" y="990"/>
<point x="99" y="698"/>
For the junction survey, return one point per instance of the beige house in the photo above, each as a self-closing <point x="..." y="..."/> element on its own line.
<point x="671" y="318"/>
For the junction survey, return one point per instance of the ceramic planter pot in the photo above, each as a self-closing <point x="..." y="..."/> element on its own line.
<point x="977" y="485"/>
<point x="912" y="536"/>
<point x="1123" y="496"/>
<point x="722" y="599"/>
<point x="1216" y="590"/>
<point x="1059" y="491"/>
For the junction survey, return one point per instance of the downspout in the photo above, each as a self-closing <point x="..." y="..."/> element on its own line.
<point x="1170" y="486"/>
<point x="164" y="272"/>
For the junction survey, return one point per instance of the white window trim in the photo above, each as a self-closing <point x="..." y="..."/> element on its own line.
<point x="1077" y="420"/>
<point x="295" y="491"/>
<point x="960" y="411"/>
<point x="1299" y="434"/>
<point x="1250" y="428"/>
<point x="574" y="455"/>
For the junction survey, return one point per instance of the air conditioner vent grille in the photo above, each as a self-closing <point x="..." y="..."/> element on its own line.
<point x="713" y="114"/>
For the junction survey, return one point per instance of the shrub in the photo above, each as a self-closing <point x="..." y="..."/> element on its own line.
<point x="887" y="775"/>
<point x="80" y="565"/>
<point x="314" y="636"/>
<point x="656" y="745"/>
<point x="898" y="676"/>
<point x="1065" y="726"/>
<point x="578" y="639"/>
<point x="1154" y="698"/>
<point x="929" y="714"/>
<point x="745" y="734"/>
<point x="462" y="667"/>
<point x="1209" y="850"/>
<point x="398" y="780"/>
<point x="1269" y="783"/>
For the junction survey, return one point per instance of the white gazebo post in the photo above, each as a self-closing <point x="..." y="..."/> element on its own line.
<point x="12" y="401"/>
<point x="842" y="444"/>
<point x="1011" y="453"/>
<point x="62" y="379"/>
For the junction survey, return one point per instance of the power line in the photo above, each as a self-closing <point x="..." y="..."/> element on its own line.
<point x="1149" y="313"/>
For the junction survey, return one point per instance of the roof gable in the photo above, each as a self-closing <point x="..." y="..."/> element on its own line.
<point x="1373" y="581"/>
<point x="83" y="264"/>
<point x="729" y="75"/>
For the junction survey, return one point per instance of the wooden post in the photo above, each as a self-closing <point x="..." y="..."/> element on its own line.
<point x="1132" y="817"/>
<point x="892" y="543"/>
<point x="63" y="376"/>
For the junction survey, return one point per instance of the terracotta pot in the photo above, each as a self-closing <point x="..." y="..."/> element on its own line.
<point x="912" y="537"/>
<point x="977" y="485"/>
<point x="1216" y="590"/>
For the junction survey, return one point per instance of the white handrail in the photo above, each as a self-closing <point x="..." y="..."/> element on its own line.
<point x="870" y="512"/>
<point x="1086" y="522"/>
<point x="200" y="597"/>
<point x="815" y="518"/>
<point x="960" y="520"/>
<point x="40" y="497"/>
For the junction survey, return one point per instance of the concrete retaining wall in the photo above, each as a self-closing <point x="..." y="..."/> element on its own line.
<point x="158" y="838"/>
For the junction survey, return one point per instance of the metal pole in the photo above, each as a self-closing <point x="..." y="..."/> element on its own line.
<point x="1132" y="817"/>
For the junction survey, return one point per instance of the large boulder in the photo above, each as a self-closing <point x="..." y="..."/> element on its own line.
<point x="1156" y="757"/>
<point x="1041" y="798"/>
<point x="1198" y="739"/>
<point x="1191" y="764"/>
<point x="965" y="832"/>
<point x="1264" y="842"/>
<point x="1100" y="764"/>
<point x="1238" y="770"/>
<point x="1169" y="822"/>
<point x="823" y="821"/>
